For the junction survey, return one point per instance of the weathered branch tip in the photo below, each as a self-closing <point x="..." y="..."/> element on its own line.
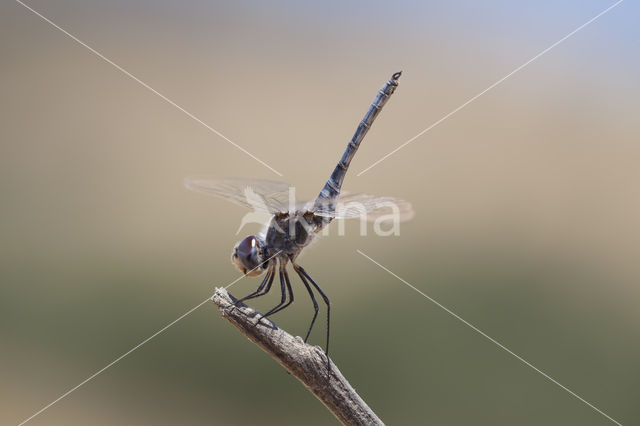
<point x="307" y="363"/>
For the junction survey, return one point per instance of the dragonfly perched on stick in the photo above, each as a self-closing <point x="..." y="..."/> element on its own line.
<point x="291" y="228"/>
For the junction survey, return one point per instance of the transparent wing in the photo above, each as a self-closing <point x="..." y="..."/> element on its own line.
<point x="353" y="206"/>
<point x="260" y="195"/>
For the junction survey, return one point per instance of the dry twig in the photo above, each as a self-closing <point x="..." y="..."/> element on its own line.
<point x="307" y="363"/>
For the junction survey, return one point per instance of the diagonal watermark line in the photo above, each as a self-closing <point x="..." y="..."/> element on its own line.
<point x="490" y="87"/>
<point x="64" y="395"/>
<point x="500" y="345"/>
<point x="145" y="85"/>
<point x="113" y="362"/>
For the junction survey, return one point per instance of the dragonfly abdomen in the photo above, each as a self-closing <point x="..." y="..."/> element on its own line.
<point x="327" y="198"/>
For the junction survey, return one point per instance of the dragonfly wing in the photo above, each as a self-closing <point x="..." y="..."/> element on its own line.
<point x="256" y="194"/>
<point x="353" y="206"/>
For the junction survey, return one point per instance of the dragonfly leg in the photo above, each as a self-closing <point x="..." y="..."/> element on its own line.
<point x="313" y="299"/>
<point x="268" y="280"/>
<point x="281" y="306"/>
<point x="284" y="281"/>
<point x="326" y="301"/>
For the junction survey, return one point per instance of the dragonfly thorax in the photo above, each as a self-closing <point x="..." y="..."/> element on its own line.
<point x="291" y="232"/>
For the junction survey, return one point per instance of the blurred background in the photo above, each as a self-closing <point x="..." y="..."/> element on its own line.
<point x="527" y="208"/>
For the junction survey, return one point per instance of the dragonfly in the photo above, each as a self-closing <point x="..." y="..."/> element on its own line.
<point x="290" y="227"/>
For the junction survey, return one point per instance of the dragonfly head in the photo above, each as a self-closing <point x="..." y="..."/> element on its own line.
<point x="247" y="256"/>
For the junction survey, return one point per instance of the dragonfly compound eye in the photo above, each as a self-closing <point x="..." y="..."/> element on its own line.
<point x="246" y="256"/>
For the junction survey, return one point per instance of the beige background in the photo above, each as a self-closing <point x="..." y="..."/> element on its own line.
<point x="527" y="205"/>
